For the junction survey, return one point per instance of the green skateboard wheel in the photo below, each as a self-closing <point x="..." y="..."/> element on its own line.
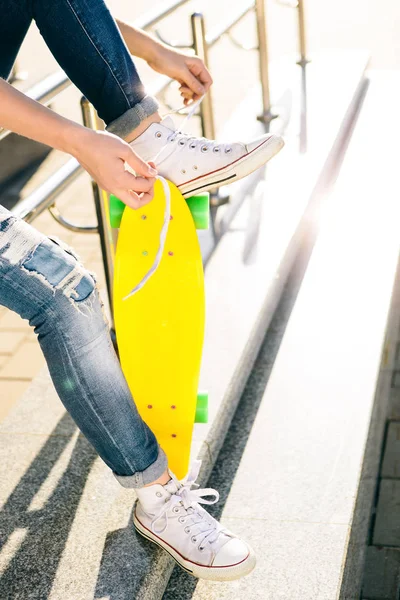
<point x="116" y="210"/>
<point x="199" y="207"/>
<point x="201" y="408"/>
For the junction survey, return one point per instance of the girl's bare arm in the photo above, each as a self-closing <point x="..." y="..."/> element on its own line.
<point x="102" y="154"/>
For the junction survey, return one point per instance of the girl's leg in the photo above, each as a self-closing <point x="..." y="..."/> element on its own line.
<point x="46" y="284"/>
<point x="85" y="40"/>
<point x="15" y="20"/>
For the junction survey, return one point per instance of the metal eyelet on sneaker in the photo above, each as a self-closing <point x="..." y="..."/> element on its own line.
<point x="195" y="167"/>
<point x="183" y="171"/>
<point x="181" y="142"/>
<point x="193" y="539"/>
<point x="181" y="519"/>
<point x="175" y="509"/>
<point x="204" y="149"/>
<point x="216" y="149"/>
<point x="187" y="530"/>
<point x="192" y="146"/>
<point x="201" y="548"/>
<point x="158" y="494"/>
<point x="158" y="134"/>
<point x="228" y="150"/>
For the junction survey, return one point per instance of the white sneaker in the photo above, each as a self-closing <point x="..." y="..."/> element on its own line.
<point x="172" y="517"/>
<point x="195" y="164"/>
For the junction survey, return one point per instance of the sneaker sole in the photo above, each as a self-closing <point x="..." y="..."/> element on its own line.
<point x="237" y="170"/>
<point x="210" y="573"/>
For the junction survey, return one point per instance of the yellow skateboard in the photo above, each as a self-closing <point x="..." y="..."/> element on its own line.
<point x="160" y="328"/>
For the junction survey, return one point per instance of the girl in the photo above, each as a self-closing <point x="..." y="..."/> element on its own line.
<point x="45" y="283"/>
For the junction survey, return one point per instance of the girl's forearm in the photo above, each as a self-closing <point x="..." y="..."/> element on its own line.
<point x="139" y="42"/>
<point x="26" y="117"/>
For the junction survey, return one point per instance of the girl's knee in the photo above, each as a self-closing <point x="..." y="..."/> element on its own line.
<point x="60" y="270"/>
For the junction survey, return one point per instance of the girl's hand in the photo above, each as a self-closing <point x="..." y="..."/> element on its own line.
<point x="189" y="71"/>
<point x="103" y="155"/>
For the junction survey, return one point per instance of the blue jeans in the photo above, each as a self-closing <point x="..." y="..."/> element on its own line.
<point x="43" y="281"/>
<point x="86" y="42"/>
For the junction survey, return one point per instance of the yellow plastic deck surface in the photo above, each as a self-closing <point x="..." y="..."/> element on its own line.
<point x="160" y="329"/>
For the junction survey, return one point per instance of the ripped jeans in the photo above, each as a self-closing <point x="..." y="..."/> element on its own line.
<point x="43" y="281"/>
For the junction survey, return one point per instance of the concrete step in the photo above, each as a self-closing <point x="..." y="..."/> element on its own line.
<point x="382" y="573"/>
<point x="66" y="524"/>
<point x="382" y="566"/>
<point x="296" y="494"/>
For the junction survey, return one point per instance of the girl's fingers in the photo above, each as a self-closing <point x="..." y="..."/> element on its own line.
<point x="152" y="164"/>
<point x="200" y="72"/>
<point x="133" y="199"/>
<point x="146" y="197"/>
<point x="137" y="164"/>
<point x="187" y="95"/>
<point x="186" y="92"/>
<point x="192" y="83"/>
<point x="138" y="184"/>
<point x="129" y="198"/>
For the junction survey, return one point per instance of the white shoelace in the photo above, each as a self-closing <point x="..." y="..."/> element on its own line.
<point x="167" y="212"/>
<point x="188" y="139"/>
<point x="163" y="236"/>
<point x="190" y="499"/>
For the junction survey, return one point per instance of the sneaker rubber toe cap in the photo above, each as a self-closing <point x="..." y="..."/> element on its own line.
<point x="233" y="552"/>
<point x="271" y="140"/>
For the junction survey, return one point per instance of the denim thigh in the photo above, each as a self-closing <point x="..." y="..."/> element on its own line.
<point x="45" y="283"/>
<point x="15" y="20"/>
<point x="86" y="42"/>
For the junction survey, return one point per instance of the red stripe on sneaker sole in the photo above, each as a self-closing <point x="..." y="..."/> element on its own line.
<point x="150" y="537"/>
<point x="226" y="166"/>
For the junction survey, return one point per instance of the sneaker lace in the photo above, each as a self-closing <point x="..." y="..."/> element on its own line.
<point x="207" y="529"/>
<point x="188" y="138"/>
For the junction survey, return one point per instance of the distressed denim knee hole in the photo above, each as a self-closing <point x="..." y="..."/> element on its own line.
<point x="59" y="270"/>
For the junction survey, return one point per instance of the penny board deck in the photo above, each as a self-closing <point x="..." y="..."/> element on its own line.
<point x="160" y="329"/>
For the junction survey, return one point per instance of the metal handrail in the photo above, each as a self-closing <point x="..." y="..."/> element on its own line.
<point x="102" y="204"/>
<point x="57" y="216"/>
<point x="40" y="199"/>
<point x="46" y="90"/>
<point x="155" y="16"/>
<point x="215" y="35"/>
<point x="302" y="34"/>
<point x="299" y="5"/>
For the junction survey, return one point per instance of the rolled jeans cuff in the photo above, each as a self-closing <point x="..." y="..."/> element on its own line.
<point x="142" y="478"/>
<point x="133" y="117"/>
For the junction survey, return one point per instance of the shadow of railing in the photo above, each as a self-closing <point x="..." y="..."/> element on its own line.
<point x="31" y="570"/>
<point x="121" y="576"/>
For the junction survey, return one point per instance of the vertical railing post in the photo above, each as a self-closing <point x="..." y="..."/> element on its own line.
<point x="200" y="47"/>
<point x="263" y="58"/>
<point x="102" y="206"/>
<point x="302" y="33"/>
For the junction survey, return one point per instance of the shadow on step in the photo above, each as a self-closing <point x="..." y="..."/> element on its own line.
<point x="31" y="569"/>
